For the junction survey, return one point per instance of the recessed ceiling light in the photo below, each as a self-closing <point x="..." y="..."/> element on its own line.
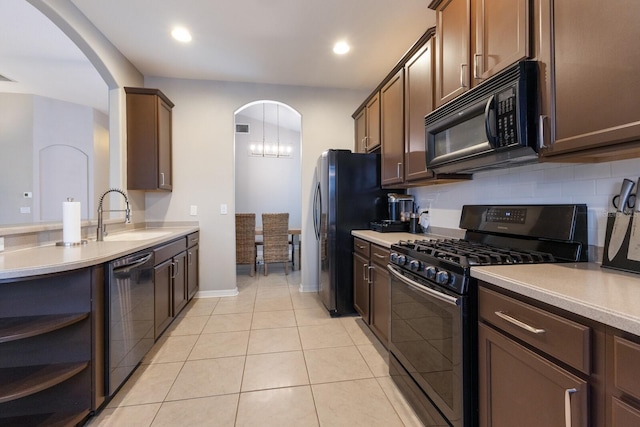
<point x="341" y="48"/>
<point x="181" y="34"/>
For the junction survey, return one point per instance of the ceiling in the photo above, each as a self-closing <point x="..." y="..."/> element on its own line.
<point x="285" y="42"/>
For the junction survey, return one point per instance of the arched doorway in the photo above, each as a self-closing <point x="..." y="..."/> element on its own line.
<point x="268" y="152"/>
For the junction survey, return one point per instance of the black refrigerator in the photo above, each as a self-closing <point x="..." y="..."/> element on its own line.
<point x="347" y="197"/>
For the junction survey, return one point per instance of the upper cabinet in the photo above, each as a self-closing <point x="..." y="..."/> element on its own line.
<point x="453" y="39"/>
<point x="149" y="137"/>
<point x="392" y="129"/>
<point x="476" y="39"/>
<point x="589" y="59"/>
<point x="367" y="125"/>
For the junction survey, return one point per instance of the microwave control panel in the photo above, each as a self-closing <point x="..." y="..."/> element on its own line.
<point x="506" y="117"/>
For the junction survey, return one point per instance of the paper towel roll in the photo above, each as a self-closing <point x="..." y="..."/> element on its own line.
<point x="71" y="222"/>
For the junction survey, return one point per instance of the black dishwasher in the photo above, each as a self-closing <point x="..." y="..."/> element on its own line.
<point x="129" y="323"/>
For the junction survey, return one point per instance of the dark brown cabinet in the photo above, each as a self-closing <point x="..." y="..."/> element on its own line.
<point x="418" y="102"/>
<point x="372" y="111"/>
<point x="51" y="370"/>
<point x="360" y="121"/>
<point x="520" y="388"/>
<point x="361" y="250"/>
<point x="149" y="139"/>
<point x="380" y="294"/>
<point x="591" y="92"/>
<point x="453" y="28"/>
<point x="170" y="283"/>
<point x="392" y="129"/>
<point x="371" y="287"/>
<point x="193" y="264"/>
<point x="476" y="40"/>
<point x="623" y="380"/>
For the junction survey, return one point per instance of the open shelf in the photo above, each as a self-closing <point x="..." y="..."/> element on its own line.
<point x="19" y="382"/>
<point x="15" y="328"/>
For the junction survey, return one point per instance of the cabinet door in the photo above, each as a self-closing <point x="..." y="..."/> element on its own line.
<point x="392" y="129"/>
<point x="360" y="123"/>
<point x="163" y="306"/>
<point x="380" y="303"/>
<point x="453" y="22"/>
<point x="372" y="140"/>
<point x="501" y="36"/>
<point x="164" y="145"/>
<point x="418" y="101"/>
<point x="361" y="286"/>
<point x="520" y="388"/>
<point x="179" y="282"/>
<point x="193" y="257"/>
<point x="597" y="91"/>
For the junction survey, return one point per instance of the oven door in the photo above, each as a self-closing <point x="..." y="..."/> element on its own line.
<point x="432" y="338"/>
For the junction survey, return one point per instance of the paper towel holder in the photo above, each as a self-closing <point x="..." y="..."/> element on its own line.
<point x="70" y="244"/>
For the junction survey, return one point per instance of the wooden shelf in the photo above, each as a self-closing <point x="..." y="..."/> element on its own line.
<point x="16" y="328"/>
<point x="49" y="420"/>
<point x="19" y="382"/>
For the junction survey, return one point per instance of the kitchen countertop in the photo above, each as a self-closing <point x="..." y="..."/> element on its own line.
<point x="48" y="259"/>
<point x="607" y="296"/>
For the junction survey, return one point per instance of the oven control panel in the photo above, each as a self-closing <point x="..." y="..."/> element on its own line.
<point x="434" y="272"/>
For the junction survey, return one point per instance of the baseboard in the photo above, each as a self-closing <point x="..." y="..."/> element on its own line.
<point x="217" y="294"/>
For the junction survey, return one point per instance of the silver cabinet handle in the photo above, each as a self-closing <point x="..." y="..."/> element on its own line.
<point x="462" y="79"/>
<point x="371" y="267"/>
<point x="541" y="144"/>
<point x="476" y="74"/>
<point x="519" y="323"/>
<point x="398" y="169"/>
<point x="365" y="270"/>
<point x="359" y="246"/>
<point x="379" y="256"/>
<point x="161" y="178"/>
<point x="190" y="257"/>
<point x="567" y="406"/>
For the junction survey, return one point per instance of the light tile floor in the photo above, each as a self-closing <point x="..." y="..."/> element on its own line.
<point x="271" y="356"/>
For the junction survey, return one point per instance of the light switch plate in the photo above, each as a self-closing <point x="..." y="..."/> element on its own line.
<point x="25" y="209"/>
<point x="223" y="209"/>
<point x="1" y="244"/>
<point x="193" y="210"/>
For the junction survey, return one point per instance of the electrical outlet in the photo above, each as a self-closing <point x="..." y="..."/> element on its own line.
<point x="1" y="244"/>
<point x="223" y="209"/>
<point x="25" y="209"/>
<point x="193" y="210"/>
<point x="27" y="194"/>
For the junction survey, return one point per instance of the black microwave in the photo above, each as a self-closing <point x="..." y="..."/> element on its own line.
<point x="492" y="125"/>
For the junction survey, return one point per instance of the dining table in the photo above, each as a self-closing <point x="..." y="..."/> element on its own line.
<point x="295" y="239"/>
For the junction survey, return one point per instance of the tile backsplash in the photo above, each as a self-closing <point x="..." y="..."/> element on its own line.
<point x="541" y="183"/>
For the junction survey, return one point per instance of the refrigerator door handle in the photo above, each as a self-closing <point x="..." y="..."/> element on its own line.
<point x="316" y="211"/>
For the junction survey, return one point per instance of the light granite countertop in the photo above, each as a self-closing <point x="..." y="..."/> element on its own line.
<point x="607" y="296"/>
<point x="52" y="259"/>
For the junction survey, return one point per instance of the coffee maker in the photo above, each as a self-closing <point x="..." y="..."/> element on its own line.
<point x="400" y="208"/>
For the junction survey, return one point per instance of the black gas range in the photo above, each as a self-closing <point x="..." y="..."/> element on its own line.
<point x="433" y="337"/>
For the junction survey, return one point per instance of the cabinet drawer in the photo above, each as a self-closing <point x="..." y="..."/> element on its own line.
<point x="361" y="247"/>
<point x="164" y="252"/>
<point x="623" y="415"/>
<point x="379" y="255"/>
<point x="626" y="361"/>
<point x="561" y="338"/>
<point x="193" y="239"/>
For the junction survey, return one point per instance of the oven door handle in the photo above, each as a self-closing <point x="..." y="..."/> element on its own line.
<point x="427" y="291"/>
<point x="490" y="122"/>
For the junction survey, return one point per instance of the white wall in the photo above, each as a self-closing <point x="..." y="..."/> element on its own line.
<point x="203" y="163"/>
<point x="593" y="184"/>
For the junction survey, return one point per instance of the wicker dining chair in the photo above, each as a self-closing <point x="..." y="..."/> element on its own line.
<point x="246" y="240"/>
<point x="275" y="237"/>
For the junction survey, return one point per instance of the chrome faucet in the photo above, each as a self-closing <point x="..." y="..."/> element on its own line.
<point x="102" y="228"/>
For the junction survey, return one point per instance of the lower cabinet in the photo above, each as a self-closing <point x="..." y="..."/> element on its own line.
<point x="193" y="264"/>
<point x="623" y="380"/>
<point x="170" y="283"/>
<point x="538" y="365"/>
<point x="50" y="369"/>
<point x="371" y="287"/>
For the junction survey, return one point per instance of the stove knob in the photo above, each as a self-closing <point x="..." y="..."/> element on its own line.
<point x="415" y="265"/>
<point x="442" y="277"/>
<point x="431" y="272"/>
<point x="394" y="256"/>
<point x="402" y="260"/>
